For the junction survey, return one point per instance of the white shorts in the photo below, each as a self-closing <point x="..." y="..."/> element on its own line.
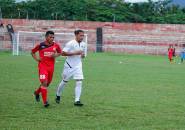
<point x="72" y="73"/>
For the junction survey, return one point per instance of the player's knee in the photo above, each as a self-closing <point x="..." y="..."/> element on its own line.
<point x="45" y="84"/>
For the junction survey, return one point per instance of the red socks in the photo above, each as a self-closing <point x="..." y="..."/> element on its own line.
<point x="44" y="92"/>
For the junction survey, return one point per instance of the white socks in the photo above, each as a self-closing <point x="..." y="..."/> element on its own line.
<point x="60" y="87"/>
<point x="78" y="90"/>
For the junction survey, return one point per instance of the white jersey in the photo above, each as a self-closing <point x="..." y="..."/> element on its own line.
<point x="72" y="46"/>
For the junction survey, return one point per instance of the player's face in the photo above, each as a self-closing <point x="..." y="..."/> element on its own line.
<point x="50" y="38"/>
<point x="80" y="36"/>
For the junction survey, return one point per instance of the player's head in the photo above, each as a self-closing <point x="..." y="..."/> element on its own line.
<point x="49" y="36"/>
<point x="79" y="34"/>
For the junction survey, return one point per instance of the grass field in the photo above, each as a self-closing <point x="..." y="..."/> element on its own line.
<point x="127" y="92"/>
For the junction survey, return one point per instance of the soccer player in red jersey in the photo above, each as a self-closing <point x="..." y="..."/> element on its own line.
<point x="170" y="53"/>
<point x="48" y="51"/>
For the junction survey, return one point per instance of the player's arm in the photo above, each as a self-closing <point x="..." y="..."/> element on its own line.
<point x="56" y="55"/>
<point x="84" y="54"/>
<point x="64" y="53"/>
<point x="58" y="52"/>
<point x="33" y="53"/>
<point x="35" y="57"/>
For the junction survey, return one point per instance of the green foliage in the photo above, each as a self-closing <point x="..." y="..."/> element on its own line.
<point x="95" y="10"/>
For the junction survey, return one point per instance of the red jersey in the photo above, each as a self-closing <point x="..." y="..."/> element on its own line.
<point x="170" y="52"/>
<point x="45" y="52"/>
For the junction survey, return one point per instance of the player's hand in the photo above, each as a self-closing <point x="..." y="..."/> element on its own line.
<point x="53" y="55"/>
<point x="38" y="59"/>
<point x="82" y="55"/>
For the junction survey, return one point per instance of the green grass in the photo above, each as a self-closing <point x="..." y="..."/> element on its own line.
<point x="141" y="93"/>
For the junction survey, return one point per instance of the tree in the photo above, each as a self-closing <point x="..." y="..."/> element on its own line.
<point x="7" y="8"/>
<point x="95" y="10"/>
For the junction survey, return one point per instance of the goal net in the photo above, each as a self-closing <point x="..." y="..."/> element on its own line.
<point x="24" y="41"/>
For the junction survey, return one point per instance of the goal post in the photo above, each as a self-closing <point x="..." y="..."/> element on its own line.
<point x="24" y="41"/>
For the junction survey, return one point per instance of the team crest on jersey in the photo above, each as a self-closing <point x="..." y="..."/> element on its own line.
<point x="43" y="47"/>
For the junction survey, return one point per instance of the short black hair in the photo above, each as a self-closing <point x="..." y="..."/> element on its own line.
<point x="76" y="32"/>
<point x="49" y="32"/>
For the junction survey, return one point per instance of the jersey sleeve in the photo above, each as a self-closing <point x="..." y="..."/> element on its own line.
<point x="67" y="47"/>
<point x="35" y="49"/>
<point x="58" y="49"/>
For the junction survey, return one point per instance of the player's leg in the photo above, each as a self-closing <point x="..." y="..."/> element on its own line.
<point x="37" y="94"/>
<point x="38" y="90"/>
<point x="170" y="59"/>
<point x="44" y="93"/>
<point x="182" y="57"/>
<point x="78" y="76"/>
<point x="66" y="75"/>
<point x="43" y="76"/>
<point x="78" y="90"/>
<point x="60" y="89"/>
<point x="181" y="60"/>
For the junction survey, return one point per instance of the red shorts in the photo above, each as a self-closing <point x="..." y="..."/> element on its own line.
<point x="46" y="74"/>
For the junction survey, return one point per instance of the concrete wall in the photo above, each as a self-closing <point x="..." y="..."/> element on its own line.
<point x="117" y="37"/>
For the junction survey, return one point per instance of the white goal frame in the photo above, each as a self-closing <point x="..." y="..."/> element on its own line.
<point x="17" y="40"/>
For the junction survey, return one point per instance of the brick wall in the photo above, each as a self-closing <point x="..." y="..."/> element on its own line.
<point x="144" y="38"/>
<point x="5" y="42"/>
<point x="117" y="37"/>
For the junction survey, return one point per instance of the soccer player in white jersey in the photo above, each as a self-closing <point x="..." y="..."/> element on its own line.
<point x="75" y="50"/>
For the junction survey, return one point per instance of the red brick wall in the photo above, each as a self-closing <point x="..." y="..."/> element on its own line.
<point x="5" y="42"/>
<point x="117" y="37"/>
<point x="144" y="38"/>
